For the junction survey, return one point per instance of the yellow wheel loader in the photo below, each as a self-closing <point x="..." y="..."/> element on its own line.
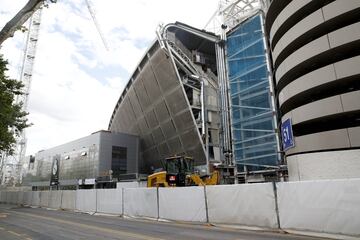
<point x="179" y="172"/>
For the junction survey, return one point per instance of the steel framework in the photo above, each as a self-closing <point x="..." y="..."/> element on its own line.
<point x="232" y="12"/>
<point x="226" y="19"/>
<point x="17" y="159"/>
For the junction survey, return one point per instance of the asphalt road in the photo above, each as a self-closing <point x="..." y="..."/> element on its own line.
<point x="37" y="223"/>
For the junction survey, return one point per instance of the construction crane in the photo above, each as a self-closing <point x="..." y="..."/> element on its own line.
<point x="31" y="10"/>
<point x="25" y="77"/>
<point x="92" y="13"/>
<point x="21" y="17"/>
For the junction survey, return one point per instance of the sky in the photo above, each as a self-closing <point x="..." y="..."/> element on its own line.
<point x="76" y="81"/>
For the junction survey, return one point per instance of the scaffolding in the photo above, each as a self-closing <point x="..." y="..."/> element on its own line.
<point x="231" y="12"/>
<point x="249" y="89"/>
<point x="17" y="159"/>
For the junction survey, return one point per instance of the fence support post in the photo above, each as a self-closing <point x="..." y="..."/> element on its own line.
<point x="158" y="203"/>
<point x="122" y="201"/>
<point x="276" y="204"/>
<point x="206" y="205"/>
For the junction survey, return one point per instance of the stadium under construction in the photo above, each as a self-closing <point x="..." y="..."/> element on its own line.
<point x="249" y="94"/>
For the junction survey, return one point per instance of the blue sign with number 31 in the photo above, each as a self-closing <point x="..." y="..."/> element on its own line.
<point x="287" y="135"/>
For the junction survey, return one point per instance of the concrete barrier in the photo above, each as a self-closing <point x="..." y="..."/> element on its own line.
<point x="86" y="200"/>
<point x="44" y="199"/>
<point x="55" y="199"/>
<point x="140" y="202"/>
<point x="244" y="204"/>
<point x="109" y="201"/>
<point x="35" y="201"/>
<point x="182" y="204"/>
<point x="68" y="200"/>
<point x="320" y="206"/>
<point x="28" y="198"/>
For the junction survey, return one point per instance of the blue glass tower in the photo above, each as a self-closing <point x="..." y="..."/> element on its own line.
<point x="253" y="124"/>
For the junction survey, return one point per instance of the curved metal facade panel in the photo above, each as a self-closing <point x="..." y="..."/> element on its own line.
<point x="154" y="106"/>
<point x="316" y="53"/>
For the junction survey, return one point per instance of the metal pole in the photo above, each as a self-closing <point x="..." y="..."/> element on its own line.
<point x="204" y="127"/>
<point x="272" y="87"/>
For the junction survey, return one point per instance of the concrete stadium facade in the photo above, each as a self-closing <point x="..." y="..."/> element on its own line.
<point x="316" y="58"/>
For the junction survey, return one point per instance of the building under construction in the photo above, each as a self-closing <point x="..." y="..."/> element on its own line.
<point x="171" y="100"/>
<point x="204" y="94"/>
<point x="261" y="71"/>
<point x="208" y="96"/>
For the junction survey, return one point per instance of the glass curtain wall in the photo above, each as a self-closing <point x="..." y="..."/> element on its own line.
<point x="254" y="139"/>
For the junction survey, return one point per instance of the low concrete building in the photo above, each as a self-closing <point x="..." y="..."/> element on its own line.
<point x="100" y="158"/>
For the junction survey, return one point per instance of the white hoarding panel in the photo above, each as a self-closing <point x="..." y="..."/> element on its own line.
<point x="127" y="184"/>
<point x="28" y="198"/>
<point x="243" y="204"/>
<point x="15" y="197"/>
<point x="140" y="202"/>
<point x="329" y="206"/>
<point x="182" y="204"/>
<point x="68" y="200"/>
<point x="109" y="201"/>
<point x="35" y="201"/>
<point x="8" y="197"/>
<point x="44" y="199"/>
<point x="55" y="199"/>
<point x="20" y="198"/>
<point x="86" y="200"/>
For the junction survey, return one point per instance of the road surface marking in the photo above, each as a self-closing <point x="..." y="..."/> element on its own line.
<point x="91" y="227"/>
<point x="15" y="233"/>
<point x="3" y="215"/>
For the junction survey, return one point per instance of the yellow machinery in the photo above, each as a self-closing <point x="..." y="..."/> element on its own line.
<point x="179" y="171"/>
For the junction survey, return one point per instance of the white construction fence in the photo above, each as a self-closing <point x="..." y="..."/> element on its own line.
<point x="325" y="207"/>
<point x="250" y="205"/>
<point x="141" y="202"/>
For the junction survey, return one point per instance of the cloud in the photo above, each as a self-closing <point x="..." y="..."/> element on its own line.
<point x="76" y="81"/>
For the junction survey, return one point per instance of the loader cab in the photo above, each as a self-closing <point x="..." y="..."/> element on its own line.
<point x="177" y="168"/>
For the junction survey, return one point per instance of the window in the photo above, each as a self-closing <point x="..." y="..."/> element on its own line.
<point x="119" y="160"/>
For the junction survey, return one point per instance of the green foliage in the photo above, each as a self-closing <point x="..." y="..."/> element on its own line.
<point x="11" y="115"/>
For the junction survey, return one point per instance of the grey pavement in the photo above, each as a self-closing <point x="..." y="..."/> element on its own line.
<point x="37" y="223"/>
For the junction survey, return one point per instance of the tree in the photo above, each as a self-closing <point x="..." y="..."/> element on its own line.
<point x="20" y="18"/>
<point x="12" y="118"/>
